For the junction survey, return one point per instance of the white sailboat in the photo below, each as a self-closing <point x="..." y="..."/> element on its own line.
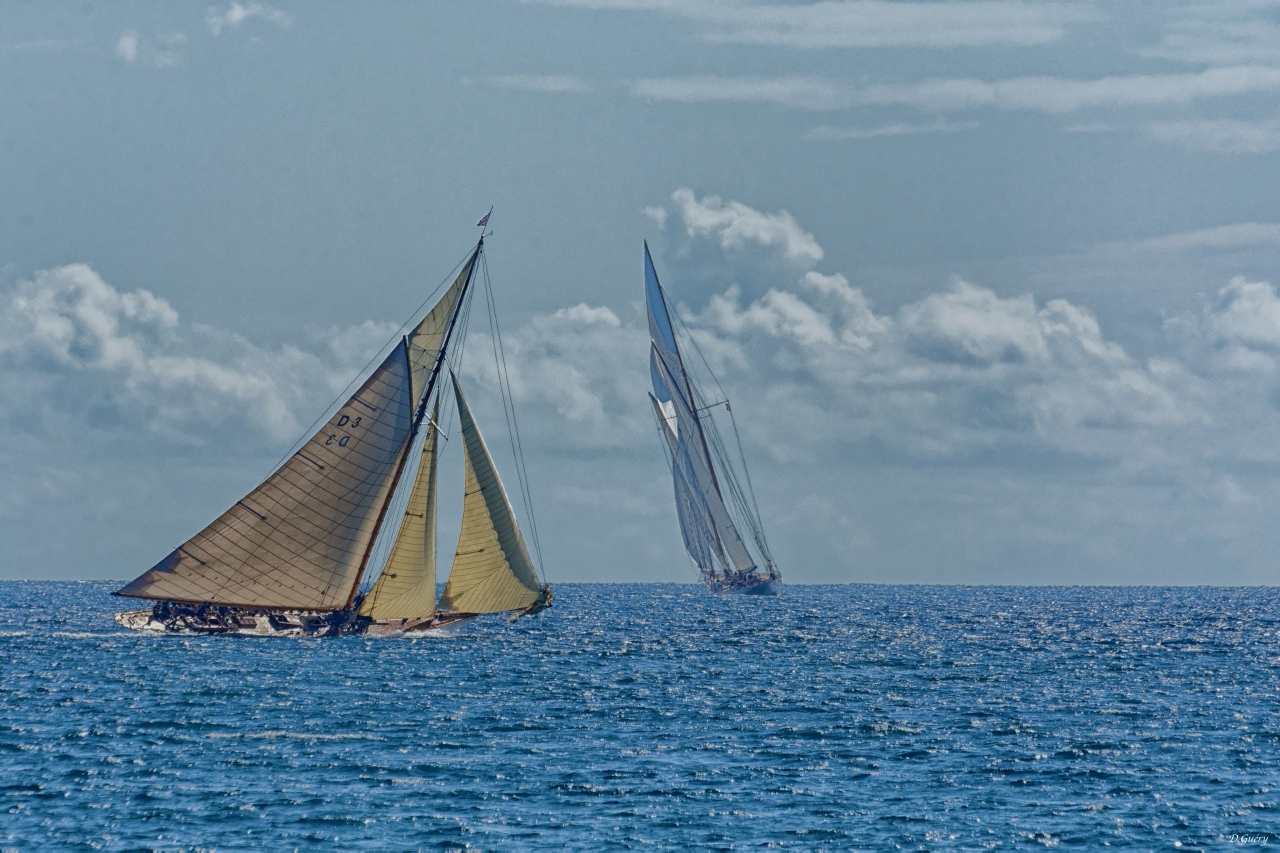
<point x="711" y="504"/>
<point x="289" y="557"/>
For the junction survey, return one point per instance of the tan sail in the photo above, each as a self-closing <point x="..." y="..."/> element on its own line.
<point x="429" y="335"/>
<point x="491" y="570"/>
<point x="296" y="541"/>
<point x="406" y="589"/>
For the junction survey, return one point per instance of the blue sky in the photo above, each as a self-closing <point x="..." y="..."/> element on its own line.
<point x="989" y="282"/>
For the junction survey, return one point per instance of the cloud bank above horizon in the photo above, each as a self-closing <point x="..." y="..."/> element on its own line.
<point x="960" y="385"/>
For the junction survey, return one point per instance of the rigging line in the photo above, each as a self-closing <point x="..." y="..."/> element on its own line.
<point x="509" y="409"/>
<point x="417" y="418"/>
<point x="751" y="490"/>
<point x="739" y="497"/>
<point x="513" y="430"/>
<point x="346" y="392"/>
<point x="452" y="358"/>
<point x="753" y="519"/>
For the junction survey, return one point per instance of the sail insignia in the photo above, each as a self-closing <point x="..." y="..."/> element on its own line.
<point x="492" y="571"/>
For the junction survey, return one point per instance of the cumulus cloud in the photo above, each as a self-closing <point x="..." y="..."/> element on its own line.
<point x="579" y="363"/>
<point x="735" y="226"/>
<point x="237" y="13"/>
<point x="73" y="340"/>
<point x="1036" y="94"/>
<point x="964" y="372"/>
<point x="863" y="23"/>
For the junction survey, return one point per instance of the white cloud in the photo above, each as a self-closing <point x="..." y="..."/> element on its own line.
<point x="864" y="23"/>
<point x="69" y="333"/>
<point x="807" y="93"/>
<point x="578" y="361"/>
<point x="960" y="374"/>
<point x="1220" y="32"/>
<point x="1089" y="127"/>
<point x="163" y="51"/>
<point x="735" y="225"/>
<point x="1247" y="314"/>
<point x="825" y="132"/>
<point x="127" y="46"/>
<point x="237" y="13"/>
<point x="1222" y="237"/>
<point x="1010" y="417"/>
<point x="549" y="83"/>
<point x="1220" y="135"/>
<point x="1035" y="94"/>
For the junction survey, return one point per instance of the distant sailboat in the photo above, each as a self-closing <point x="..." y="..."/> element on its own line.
<point x="706" y="485"/>
<point x="289" y="557"/>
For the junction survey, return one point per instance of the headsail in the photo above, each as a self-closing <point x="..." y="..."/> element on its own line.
<point x="698" y="465"/>
<point x="691" y="509"/>
<point x="662" y="335"/>
<point x="297" y="541"/>
<point x="406" y="589"/>
<point x="492" y="572"/>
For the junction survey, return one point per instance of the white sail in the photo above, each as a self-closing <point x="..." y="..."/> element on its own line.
<point x="297" y="541"/>
<point x="699" y="468"/>
<point x="691" y="510"/>
<point x="492" y="572"/>
<point x="406" y="589"/>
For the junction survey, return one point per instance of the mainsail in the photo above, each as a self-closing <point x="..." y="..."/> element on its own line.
<point x="492" y="572"/>
<point x="704" y="490"/>
<point x="406" y="589"/>
<point x="297" y="541"/>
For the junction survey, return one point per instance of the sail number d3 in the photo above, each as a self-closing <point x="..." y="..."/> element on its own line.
<point x="342" y="421"/>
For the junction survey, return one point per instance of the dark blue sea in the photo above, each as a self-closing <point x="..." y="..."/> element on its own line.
<point x="845" y="717"/>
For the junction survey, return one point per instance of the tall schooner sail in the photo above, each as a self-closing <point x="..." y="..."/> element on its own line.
<point x="711" y="505"/>
<point x="289" y="557"/>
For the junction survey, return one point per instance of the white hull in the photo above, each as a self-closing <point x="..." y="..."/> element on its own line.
<point x="752" y="585"/>
<point x="281" y="624"/>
